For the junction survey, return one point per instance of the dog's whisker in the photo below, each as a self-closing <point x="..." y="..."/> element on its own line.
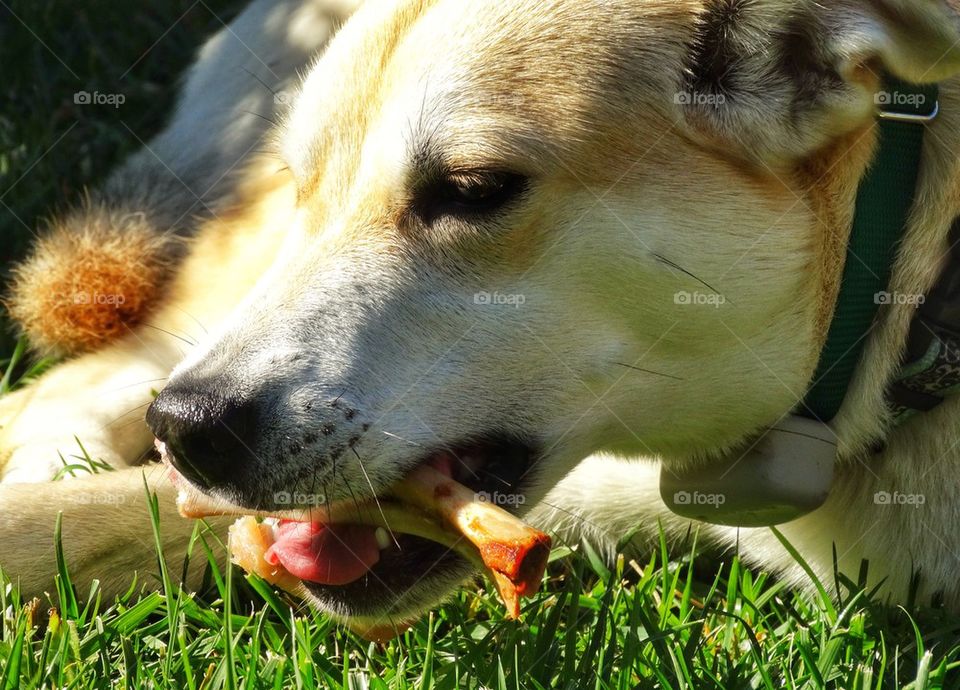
<point x="139" y="383"/>
<point x="463" y="464"/>
<point x="267" y="152"/>
<point x="313" y="484"/>
<point x="649" y="371"/>
<point x="401" y="438"/>
<point x="128" y="412"/>
<point x="798" y="433"/>
<point x="138" y="420"/>
<point x="499" y="479"/>
<point x="333" y="470"/>
<point x="142" y="458"/>
<point x="300" y="607"/>
<point x="375" y="497"/>
<point x="191" y="343"/>
<point x="678" y="267"/>
<point x="260" y="81"/>
<point x="353" y="496"/>
<point x="262" y="117"/>
<point x="575" y="516"/>
<point x="194" y="319"/>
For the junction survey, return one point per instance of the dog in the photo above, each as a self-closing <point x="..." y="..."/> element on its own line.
<point x="468" y="234"/>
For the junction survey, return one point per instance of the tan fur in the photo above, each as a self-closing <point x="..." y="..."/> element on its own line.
<point x="90" y="280"/>
<point x="830" y="178"/>
<point x="755" y="198"/>
<point x="107" y="533"/>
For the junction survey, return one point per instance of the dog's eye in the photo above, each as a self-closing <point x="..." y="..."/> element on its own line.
<point x="469" y="194"/>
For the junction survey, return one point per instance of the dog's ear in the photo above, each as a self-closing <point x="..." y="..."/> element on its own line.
<point x="780" y="78"/>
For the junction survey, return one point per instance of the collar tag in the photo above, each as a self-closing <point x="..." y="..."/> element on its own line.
<point x="914" y="105"/>
<point x="781" y="476"/>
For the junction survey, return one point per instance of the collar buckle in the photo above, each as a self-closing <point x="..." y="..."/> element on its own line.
<point x="911" y="118"/>
<point x="911" y="104"/>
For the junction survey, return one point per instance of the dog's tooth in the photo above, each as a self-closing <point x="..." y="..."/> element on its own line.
<point x="383" y="538"/>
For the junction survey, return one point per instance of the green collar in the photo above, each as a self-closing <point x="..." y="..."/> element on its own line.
<point x="884" y="203"/>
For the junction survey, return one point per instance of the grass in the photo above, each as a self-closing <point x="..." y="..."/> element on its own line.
<point x="671" y="619"/>
<point x="662" y="622"/>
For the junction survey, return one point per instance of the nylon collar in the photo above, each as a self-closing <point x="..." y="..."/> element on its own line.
<point x="884" y="202"/>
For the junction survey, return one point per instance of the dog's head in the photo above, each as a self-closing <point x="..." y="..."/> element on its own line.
<point x="528" y="231"/>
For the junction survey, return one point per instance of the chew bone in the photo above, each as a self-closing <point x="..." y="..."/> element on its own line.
<point x="513" y="551"/>
<point x="249" y="541"/>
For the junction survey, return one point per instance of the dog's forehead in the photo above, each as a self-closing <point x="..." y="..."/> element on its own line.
<point x="488" y="82"/>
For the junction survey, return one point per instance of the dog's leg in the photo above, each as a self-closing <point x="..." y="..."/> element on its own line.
<point x="605" y="498"/>
<point x="894" y="511"/>
<point x="106" y="532"/>
<point x="101" y="398"/>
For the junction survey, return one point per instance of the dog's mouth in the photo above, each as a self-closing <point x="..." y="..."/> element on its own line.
<point x="379" y="562"/>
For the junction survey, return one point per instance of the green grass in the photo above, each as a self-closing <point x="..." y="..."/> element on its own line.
<point x="660" y="622"/>
<point x="667" y="619"/>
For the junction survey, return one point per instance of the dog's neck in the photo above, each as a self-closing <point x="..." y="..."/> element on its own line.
<point x="866" y="417"/>
<point x="885" y="199"/>
<point x="790" y="470"/>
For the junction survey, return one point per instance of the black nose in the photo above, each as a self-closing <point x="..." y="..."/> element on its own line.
<point x="209" y="436"/>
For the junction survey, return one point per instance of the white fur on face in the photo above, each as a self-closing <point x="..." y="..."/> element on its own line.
<point x="631" y="300"/>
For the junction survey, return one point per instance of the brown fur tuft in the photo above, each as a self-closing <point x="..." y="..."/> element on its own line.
<point x="95" y="275"/>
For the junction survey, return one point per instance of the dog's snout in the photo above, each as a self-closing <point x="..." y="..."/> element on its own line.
<point x="208" y="435"/>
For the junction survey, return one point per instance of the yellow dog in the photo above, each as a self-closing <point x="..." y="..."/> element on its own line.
<point x="468" y="237"/>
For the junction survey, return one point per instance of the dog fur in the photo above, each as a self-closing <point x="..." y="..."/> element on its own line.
<point x="672" y="146"/>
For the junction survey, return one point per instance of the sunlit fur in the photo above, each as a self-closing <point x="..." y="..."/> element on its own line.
<point x="752" y="199"/>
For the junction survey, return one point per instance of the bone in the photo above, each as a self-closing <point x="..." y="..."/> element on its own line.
<point x="509" y="547"/>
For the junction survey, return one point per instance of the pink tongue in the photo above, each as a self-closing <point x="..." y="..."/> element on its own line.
<point x="325" y="554"/>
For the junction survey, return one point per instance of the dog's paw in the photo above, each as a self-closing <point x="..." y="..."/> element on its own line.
<point x="41" y="442"/>
<point x="49" y="460"/>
